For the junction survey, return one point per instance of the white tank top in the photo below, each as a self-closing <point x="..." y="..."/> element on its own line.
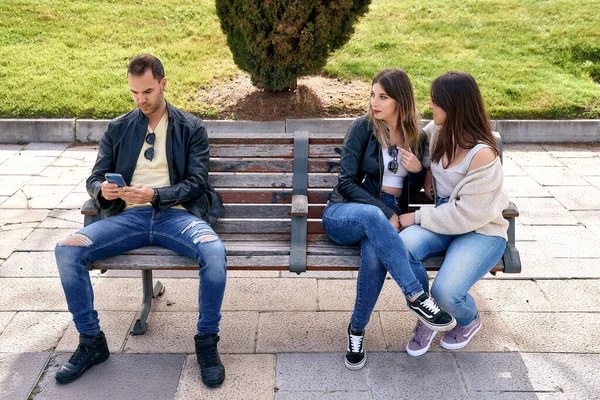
<point x="395" y="180"/>
<point x="446" y="179"/>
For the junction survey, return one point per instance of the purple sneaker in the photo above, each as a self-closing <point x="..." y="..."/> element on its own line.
<point x="460" y="336"/>
<point x="421" y="340"/>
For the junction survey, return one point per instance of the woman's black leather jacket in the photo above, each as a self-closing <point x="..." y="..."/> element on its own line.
<point x="361" y="168"/>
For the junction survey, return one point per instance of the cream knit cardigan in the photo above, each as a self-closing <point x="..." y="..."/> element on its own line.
<point x="476" y="204"/>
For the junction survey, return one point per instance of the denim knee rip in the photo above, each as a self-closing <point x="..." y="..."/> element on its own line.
<point x="76" y="239"/>
<point x="203" y="235"/>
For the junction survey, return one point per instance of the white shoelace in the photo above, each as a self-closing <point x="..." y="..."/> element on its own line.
<point x="355" y="343"/>
<point x="430" y="305"/>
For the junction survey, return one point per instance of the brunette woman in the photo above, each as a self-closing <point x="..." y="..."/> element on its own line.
<point x="466" y="224"/>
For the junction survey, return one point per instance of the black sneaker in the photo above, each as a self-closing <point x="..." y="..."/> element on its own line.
<point x="356" y="356"/>
<point x="91" y="351"/>
<point x="430" y="314"/>
<point x="211" y="367"/>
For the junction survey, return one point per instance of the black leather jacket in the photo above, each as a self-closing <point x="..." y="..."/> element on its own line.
<point x="187" y="158"/>
<point x="361" y="168"/>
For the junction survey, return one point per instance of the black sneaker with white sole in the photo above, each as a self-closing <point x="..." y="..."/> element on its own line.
<point x="430" y="314"/>
<point x="356" y="356"/>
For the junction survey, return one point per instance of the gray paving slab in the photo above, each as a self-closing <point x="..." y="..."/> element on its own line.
<point x="594" y="180"/>
<point x="512" y="395"/>
<point x="3" y="199"/>
<point x="530" y="155"/>
<point x="338" y="295"/>
<point x="322" y="372"/>
<point x="45" y="149"/>
<point x="494" y="335"/>
<point x="9" y="150"/>
<point x="323" y="395"/>
<point x="9" y="240"/>
<point x="511" y="168"/>
<point x="61" y="176"/>
<point x="555" y="176"/>
<point x="29" y="264"/>
<point x="44" y="239"/>
<point x="247" y="376"/>
<point x="555" y="333"/>
<point x="575" y="295"/>
<point x="31" y="294"/>
<point x="281" y="332"/>
<point x="173" y="332"/>
<point x="10" y="184"/>
<point x="519" y="372"/>
<point x="271" y="294"/>
<point x="524" y="186"/>
<point x="122" y="376"/>
<point x="125" y="294"/>
<point x="19" y="372"/>
<point x="583" y="166"/>
<point x="569" y="150"/>
<point x="544" y="211"/>
<point x="400" y="376"/>
<point x="65" y="219"/>
<point x="22" y="216"/>
<point x="583" y="198"/>
<point x="577" y="374"/>
<point x="73" y="201"/>
<point x="38" y="196"/>
<point x="5" y="318"/>
<point x="568" y="241"/>
<point x="115" y="325"/>
<point x="498" y="295"/>
<point x="33" y="332"/>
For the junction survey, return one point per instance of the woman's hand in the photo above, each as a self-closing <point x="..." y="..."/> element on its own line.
<point x="395" y="222"/>
<point x="406" y="220"/>
<point x="409" y="161"/>
<point x="428" y="184"/>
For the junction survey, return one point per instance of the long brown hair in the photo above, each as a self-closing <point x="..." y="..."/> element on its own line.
<point x="467" y="122"/>
<point x="397" y="85"/>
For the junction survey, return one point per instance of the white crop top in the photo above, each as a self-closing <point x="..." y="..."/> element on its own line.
<point x="446" y="179"/>
<point x="395" y="180"/>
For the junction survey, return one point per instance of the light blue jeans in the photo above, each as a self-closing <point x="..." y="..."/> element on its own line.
<point x="468" y="258"/>
<point x="177" y="230"/>
<point x="381" y="251"/>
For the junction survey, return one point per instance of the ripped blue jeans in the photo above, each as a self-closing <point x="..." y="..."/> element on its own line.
<point x="177" y="230"/>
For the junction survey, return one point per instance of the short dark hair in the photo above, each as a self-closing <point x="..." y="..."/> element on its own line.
<point x="142" y="62"/>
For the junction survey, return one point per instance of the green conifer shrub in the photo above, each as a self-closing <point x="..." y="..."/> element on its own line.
<point x="277" y="41"/>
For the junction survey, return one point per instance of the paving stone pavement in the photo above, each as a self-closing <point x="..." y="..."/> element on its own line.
<point x="283" y="336"/>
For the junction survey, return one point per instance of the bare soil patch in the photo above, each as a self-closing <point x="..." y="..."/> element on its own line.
<point x="316" y="96"/>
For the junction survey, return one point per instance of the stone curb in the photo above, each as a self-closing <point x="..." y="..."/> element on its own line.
<point x="90" y="130"/>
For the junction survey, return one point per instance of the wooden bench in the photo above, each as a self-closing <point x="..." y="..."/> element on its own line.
<point x="275" y="188"/>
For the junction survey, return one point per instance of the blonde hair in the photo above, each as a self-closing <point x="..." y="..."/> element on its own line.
<point x="397" y="85"/>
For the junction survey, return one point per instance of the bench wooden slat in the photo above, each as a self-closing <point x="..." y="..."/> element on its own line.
<point x="258" y="180"/>
<point x="259" y="150"/>
<point x="256" y="195"/>
<point x="249" y="225"/>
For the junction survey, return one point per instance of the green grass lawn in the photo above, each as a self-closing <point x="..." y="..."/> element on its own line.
<point x="532" y="59"/>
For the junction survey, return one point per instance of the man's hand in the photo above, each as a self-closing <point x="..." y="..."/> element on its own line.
<point x="395" y="223"/>
<point x="111" y="191"/>
<point x="409" y="161"/>
<point x="138" y="194"/>
<point x="428" y="184"/>
<point x="407" y="220"/>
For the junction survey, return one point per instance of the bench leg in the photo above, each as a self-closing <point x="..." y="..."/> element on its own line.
<point x="512" y="260"/>
<point x="150" y="292"/>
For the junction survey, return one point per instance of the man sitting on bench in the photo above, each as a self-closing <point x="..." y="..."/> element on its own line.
<point x="158" y="158"/>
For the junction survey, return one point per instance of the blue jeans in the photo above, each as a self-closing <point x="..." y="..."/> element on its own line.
<point x="381" y="251"/>
<point x="177" y="230"/>
<point x="468" y="258"/>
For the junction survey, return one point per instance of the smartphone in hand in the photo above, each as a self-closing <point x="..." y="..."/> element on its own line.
<point x="115" y="178"/>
